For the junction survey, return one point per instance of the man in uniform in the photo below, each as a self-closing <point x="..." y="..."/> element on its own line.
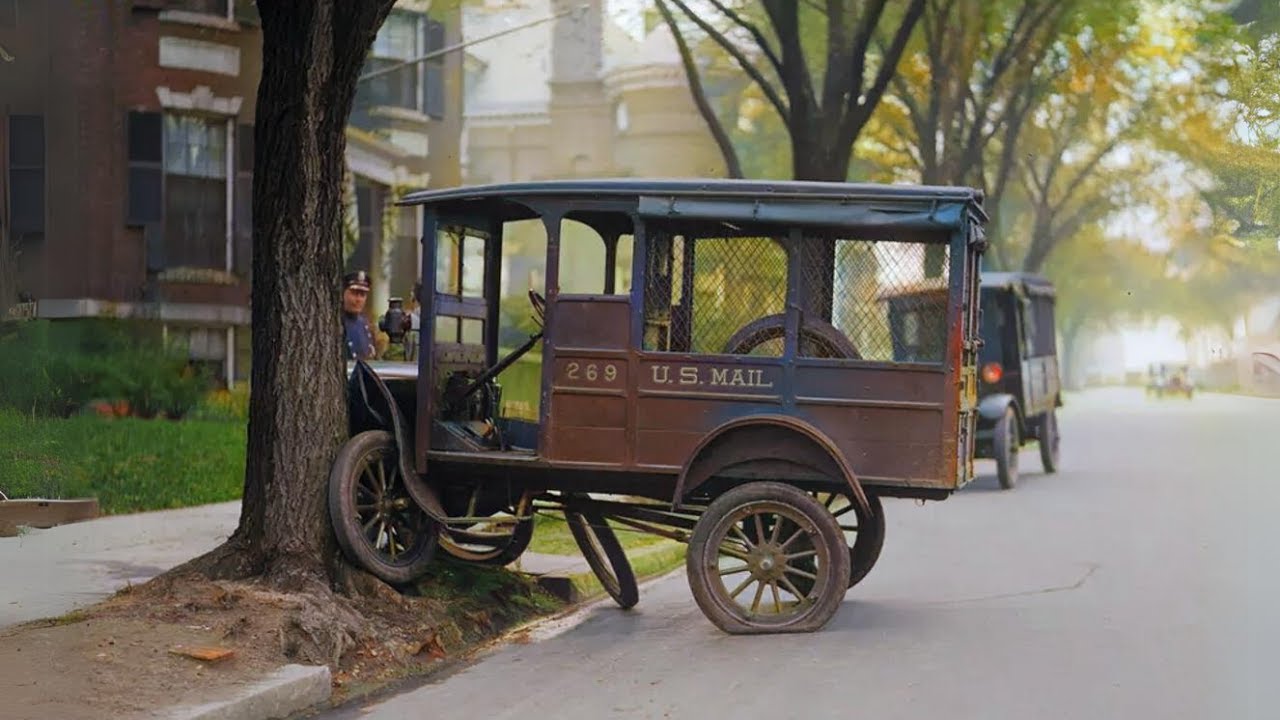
<point x="359" y="337"/>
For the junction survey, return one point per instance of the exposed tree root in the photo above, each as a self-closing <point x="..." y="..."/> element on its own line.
<point x="229" y="561"/>
<point x="328" y="611"/>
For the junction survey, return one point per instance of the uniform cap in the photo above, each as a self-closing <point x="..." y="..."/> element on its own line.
<point x="357" y="279"/>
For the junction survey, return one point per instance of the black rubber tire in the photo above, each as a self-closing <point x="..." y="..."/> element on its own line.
<point x="869" y="542"/>
<point x="599" y="545"/>
<point x="1050" y="439"/>
<point x="713" y="527"/>
<point x="344" y="479"/>
<point x="450" y="543"/>
<point x="1007" y="443"/>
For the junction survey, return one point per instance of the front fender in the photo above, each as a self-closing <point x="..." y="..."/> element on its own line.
<point x="370" y="406"/>
<point x="993" y="407"/>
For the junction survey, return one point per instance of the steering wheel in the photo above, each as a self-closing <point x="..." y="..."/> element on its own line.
<point x="539" y="304"/>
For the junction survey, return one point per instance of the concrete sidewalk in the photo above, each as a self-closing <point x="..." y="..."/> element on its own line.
<point x="46" y="573"/>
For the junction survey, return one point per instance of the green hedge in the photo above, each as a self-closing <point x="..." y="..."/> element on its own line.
<point x="54" y="368"/>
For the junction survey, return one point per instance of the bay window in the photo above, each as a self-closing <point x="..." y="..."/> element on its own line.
<point x="404" y="37"/>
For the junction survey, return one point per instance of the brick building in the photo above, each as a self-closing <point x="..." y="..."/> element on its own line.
<point x="126" y="150"/>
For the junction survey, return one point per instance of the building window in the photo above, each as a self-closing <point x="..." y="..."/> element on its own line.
<point x="404" y="37"/>
<point x="433" y="101"/>
<point x="179" y="190"/>
<point x="146" y="169"/>
<point x="221" y="8"/>
<point x="26" y="174"/>
<point x="195" y="191"/>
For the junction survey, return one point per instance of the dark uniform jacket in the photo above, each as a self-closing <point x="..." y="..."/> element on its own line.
<point x="358" y="336"/>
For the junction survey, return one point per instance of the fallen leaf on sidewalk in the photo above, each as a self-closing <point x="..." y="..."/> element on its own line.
<point x="207" y="654"/>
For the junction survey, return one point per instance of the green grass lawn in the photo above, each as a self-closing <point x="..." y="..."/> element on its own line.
<point x="134" y="465"/>
<point x="551" y="536"/>
<point x="130" y="465"/>
<point x="521" y="383"/>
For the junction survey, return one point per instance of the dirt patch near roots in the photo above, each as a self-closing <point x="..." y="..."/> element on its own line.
<point x="123" y="657"/>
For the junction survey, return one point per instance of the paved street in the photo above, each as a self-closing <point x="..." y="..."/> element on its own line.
<point x="1140" y="582"/>
<point x="47" y="573"/>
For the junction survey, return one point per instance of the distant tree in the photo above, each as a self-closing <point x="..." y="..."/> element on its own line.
<point x="971" y="74"/>
<point x="1230" y="128"/>
<point x="815" y="63"/>
<point x="1102" y="281"/>
<point x="977" y="80"/>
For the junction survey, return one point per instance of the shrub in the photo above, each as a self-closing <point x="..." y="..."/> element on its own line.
<point x="55" y="368"/>
<point x="227" y="405"/>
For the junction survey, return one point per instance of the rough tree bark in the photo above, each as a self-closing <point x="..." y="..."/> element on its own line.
<point x="312" y="56"/>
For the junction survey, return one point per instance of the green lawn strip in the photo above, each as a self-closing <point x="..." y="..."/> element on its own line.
<point x="521" y="384"/>
<point x="656" y="559"/>
<point x="130" y="465"/>
<point x="551" y="536"/>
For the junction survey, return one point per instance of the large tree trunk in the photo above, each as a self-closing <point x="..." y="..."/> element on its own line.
<point x="811" y="160"/>
<point x="312" y="56"/>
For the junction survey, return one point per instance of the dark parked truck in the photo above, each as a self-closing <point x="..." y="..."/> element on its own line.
<point x="1020" y="389"/>
<point x="729" y="373"/>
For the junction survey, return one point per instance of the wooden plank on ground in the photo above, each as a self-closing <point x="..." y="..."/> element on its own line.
<point x="47" y="513"/>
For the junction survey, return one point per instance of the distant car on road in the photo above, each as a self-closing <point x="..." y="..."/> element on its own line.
<point x="1020" y="389"/>
<point x="1161" y="382"/>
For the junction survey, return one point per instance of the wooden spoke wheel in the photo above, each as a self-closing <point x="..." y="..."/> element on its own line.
<point x="863" y="533"/>
<point x="377" y="524"/>
<point x="746" y="583"/>
<point x="599" y="545"/>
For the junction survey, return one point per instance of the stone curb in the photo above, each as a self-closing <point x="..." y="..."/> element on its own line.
<point x="291" y="689"/>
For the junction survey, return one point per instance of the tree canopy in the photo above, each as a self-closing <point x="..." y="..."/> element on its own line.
<point x="1068" y="114"/>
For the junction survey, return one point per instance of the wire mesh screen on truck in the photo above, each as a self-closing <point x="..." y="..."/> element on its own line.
<point x="859" y="299"/>
<point x="888" y="298"/>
